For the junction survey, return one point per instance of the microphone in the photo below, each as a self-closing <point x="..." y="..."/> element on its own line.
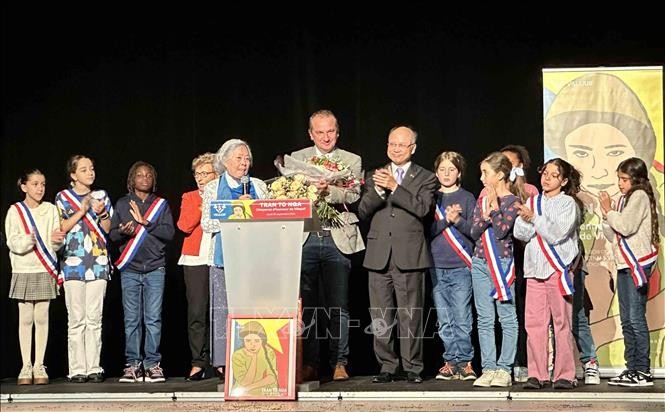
<point x="244" y="181"/>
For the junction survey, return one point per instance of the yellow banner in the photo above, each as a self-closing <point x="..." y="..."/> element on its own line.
<point x="594" y="119"/>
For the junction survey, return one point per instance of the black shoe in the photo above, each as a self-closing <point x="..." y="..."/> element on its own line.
<point x="564" y="384"/>
<point x="220" y="374"/>
<point x="198" y="376"/>
<point x="533" y="383"/>
<point x="78" y="379"/>
<point x="96" y="378"/>
<point x="413" y="377"/>
<point x="383" y="377"/>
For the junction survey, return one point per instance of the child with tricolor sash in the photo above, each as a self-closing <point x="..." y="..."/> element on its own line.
<point x="493" y="270"/>
<point x="632" y="227"/>
<point x="142" y="225"/>
<point x="33" y="235"/>
<point x="451" y="248"/>
<point x="85" y="215"/>
<point x="549" y="222"/>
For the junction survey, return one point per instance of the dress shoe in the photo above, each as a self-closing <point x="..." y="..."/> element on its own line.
<point x="220" y="374"/>
<point x="383" y="377"/>
<point x="96" y="378"/>
<point x="78" y="379"/>
<point x="340" y="373"/>
<point x="197" y="376"/>
<point x="413" y="377"/>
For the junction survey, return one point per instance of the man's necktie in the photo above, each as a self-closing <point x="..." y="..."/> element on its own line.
<point x="399" y="175"/>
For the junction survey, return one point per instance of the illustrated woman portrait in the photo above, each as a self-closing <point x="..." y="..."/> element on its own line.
<point x="595" y="122"/>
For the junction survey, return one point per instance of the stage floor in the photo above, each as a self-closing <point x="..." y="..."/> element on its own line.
<point x="356" y="388"/>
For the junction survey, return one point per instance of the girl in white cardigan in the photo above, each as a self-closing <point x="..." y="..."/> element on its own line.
<point x="33" y="236"/>
<point x="632" y="227"/>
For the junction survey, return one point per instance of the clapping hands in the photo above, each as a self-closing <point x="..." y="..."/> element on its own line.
<point x="453" y="213"/>
<point x="525" y="213"/>
<point x="605" y="202"/>
<point x="384" y="180"/>
<point x="136" y="213"/>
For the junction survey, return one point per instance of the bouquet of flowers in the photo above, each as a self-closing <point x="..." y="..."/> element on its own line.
<point x="293" y="187"/>
<point x="317" y="168"/>
<point x="333" y="171"/>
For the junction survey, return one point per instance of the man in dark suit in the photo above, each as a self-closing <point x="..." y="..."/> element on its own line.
<point x="397" y="198"/>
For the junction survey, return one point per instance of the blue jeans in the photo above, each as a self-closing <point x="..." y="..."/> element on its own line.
<point x="632" y="311"/>
<point x="487" y="308"/>
<point x="142" y="295"/>
<point x="324" y="264"/>
<point x="581" y="330"/>
<point x="451" y="291"/>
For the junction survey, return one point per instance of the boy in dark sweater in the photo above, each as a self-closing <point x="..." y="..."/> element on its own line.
<point x="141" y="225"/>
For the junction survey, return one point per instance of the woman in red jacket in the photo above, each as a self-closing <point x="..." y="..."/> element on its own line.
<point x="194" y="260"/>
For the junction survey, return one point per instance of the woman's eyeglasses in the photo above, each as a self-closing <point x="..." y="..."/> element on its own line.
<point x="202" y="174"/>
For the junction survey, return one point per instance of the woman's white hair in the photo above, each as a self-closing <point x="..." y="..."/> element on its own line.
<point x="225" y="151"/>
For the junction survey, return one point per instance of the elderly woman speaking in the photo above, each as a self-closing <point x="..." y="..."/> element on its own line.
<point x="232" y="162"/>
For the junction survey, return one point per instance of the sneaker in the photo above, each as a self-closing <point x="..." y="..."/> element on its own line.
<point x="485" y="380"/>
<point x="466" y="373"/>
<point x="155" y="374"/>
<point x="564" y="384"/>
<point x="502" y="379"/>
<point x="623" y="376"/>
<point x="39" y="374"/>
<point x="25" y="376"/>
<point x="520" y="374"/>
<point x="132" y="373"/>
<point x="591" y="373"/>
<point x="637" y="378"/>
<point x="447" y="372"/>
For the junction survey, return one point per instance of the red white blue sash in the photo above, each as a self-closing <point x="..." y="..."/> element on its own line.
<point x="561" y="269"/>
<point x="44" y="254"/>
<point x="151" y="215"/>
<point x="635" y="264"/>
<point x="89" y="219"/>
<point x="454" y="238"/>
<point x="501" y="278"/>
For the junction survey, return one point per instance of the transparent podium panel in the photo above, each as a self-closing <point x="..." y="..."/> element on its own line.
<point x="262" y="266"/>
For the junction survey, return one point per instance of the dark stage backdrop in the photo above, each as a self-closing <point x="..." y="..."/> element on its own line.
<point x="164" y="86"/>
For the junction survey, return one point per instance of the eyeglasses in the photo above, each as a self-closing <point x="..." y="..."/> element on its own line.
<point x="202" y="174"/>
<point x="399" y="145"/>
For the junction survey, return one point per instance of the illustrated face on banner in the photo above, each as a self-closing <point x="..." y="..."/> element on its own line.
<point x="596" y="149"/>
<point x="594" y="122"/>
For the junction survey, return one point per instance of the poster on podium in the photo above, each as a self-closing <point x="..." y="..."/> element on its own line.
<point x="262" y="354"/>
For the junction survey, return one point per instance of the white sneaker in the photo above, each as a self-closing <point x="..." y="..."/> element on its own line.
<point x="40" y="376"/>
<point x="25" y="376"/>
<point x="591" y="373"/>
<point x="520" y="374"/>
<point x="485" y="380"/>
<point x="502" y="379"/>
<point x="625" y="376"/>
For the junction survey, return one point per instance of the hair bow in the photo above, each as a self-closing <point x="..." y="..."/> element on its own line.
<point x="516" y="171"/>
